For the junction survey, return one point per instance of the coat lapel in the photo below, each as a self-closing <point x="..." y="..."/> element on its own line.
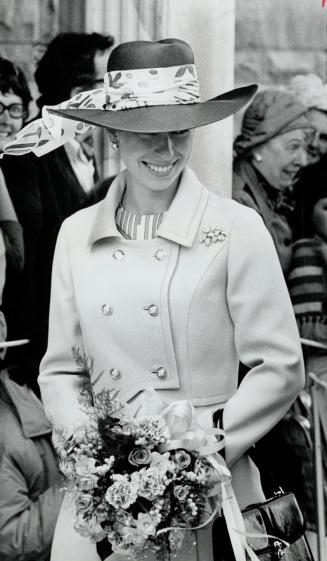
<point x="181" y="222"/>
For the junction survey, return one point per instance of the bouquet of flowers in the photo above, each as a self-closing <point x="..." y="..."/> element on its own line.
<point x="139" y="481"/>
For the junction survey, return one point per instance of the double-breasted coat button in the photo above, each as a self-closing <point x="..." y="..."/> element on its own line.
<point x="115" y="373"/>
<point x="118" y="254"/>
<point x="160" y="254"/>
<point x="107" y="310"/>
<point x="153" y="310"/>
<point x="160" y="372"/>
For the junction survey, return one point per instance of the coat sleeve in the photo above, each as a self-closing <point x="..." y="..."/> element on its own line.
<point x="26" y="526"/>
<point x="60" y="380"/>
<point x="266" y="336"/>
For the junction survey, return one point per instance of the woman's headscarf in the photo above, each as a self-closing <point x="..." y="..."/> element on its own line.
<point x="271" y="112"/>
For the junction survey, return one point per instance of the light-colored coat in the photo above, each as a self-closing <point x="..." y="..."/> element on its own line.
<point x="217" y="304"/>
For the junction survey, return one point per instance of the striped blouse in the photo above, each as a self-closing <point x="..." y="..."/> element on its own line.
<point x="138" y="226"/>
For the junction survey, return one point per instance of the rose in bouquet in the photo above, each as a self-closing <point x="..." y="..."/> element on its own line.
<point x="134" y="480"/>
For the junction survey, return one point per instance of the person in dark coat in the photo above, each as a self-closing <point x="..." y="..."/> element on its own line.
<point x="46" y="191"/>
<point x="30" y="495"/>
<point x="271" y="150"/>
<point x="20" y="179"/>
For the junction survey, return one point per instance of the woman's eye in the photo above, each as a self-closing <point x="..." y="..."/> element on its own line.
<point x="146" y="135"/>
<point x="293" y="147"/>
<point x="180" y="133"/>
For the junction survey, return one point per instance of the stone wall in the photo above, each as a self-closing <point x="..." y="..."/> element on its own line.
<point x="27" y="26"/>
<point x="277" y="39"/>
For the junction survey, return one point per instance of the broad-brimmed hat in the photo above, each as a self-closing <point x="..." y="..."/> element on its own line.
<point x="150" y="86"/>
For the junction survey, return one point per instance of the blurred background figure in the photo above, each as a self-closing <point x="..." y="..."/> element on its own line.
<point x="312" y="92"/>
<point x="45" y="191"/>
<point x="270" y="152"/>
<point x="307" y="283"/>
<point x="29" y="478"/>
<point x="23" y="204"/>
<point x="30" y="497"/>
<point x="14" y="99"/>
<point x="73" y="62"/>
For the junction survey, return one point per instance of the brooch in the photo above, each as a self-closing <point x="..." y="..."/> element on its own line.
<point x="212" y="234"/>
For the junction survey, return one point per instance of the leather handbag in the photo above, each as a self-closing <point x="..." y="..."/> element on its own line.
<point x="279" y="517"/>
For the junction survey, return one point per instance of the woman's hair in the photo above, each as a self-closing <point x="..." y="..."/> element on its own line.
<point x="68" y="63"/>
<point x="13" y="79"/>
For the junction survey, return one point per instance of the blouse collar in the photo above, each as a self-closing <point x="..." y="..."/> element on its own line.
<point x="181" y="222"/>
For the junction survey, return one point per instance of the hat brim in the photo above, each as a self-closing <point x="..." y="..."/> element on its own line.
<point x="164" y="118"/>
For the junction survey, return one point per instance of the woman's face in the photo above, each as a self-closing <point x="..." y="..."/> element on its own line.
<point x="9" y="125"/>
<point x="282" y="157"/>
<point x="155" y="160"/>
<point x="319" y="218"/>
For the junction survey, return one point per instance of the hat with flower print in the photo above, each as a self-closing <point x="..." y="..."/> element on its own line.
<point x="149" y="87"/>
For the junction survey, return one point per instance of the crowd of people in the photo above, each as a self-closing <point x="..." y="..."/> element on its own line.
<point x="279" y="171"/>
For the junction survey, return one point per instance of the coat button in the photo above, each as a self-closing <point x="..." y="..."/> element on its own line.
<point x="107" y="310"/>
<point x="153" y="310"/>
<point x="161" y="373"/>
<point x="118" y="254"/>
<point x="160" y="254"/>
<point x="115" y="373"/>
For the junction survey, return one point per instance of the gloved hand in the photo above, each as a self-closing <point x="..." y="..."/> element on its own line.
<point x="14" y="242"/>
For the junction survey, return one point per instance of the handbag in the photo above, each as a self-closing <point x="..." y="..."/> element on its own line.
<point x="273" y="522"/>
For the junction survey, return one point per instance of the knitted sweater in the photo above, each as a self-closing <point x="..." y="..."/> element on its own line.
<point x="307" y="284"/>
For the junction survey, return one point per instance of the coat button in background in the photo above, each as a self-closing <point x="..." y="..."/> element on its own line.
<point x="161" y="373"/>
<point x="118" y="254"/>
<point x="153" y="310"/>
<point x="160" y="254"/>
<point x="107" y="310"/>
<point x="115" y="373"/>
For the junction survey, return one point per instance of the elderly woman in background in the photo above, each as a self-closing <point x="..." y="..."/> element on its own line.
<point x="271" y="150"/>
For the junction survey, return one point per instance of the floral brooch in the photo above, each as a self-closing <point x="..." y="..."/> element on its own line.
<point x="212" y="234"/>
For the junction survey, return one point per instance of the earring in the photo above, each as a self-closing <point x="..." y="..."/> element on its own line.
<point x="257" y="157"/>
<point x="115" y="145"/>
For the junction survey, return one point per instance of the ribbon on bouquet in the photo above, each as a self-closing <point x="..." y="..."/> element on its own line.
<point x="188" y="432"/>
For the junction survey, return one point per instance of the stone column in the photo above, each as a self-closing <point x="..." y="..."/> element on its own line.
<point x="209" y="27"/>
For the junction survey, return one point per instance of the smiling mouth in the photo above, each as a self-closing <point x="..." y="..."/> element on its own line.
<point x="161" y="170"/>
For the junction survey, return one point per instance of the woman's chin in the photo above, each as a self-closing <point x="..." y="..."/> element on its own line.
<point x="4" y="140"/>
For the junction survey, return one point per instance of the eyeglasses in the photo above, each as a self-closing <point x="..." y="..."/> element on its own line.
<point x="15" y="110"/>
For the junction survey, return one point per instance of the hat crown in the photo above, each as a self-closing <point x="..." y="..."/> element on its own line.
<point x="150" y="54"/>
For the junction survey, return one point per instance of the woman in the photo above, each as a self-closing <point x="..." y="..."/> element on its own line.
<point x="271" y="150"/>
<point x="14" y="100"/>
<point x="19" y="302"/>
<point x="156" y="282"/>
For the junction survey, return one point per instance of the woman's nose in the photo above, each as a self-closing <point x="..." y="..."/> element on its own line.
<point x="5" y="117"/>
<point x="302" y="157"/>
<point x="165" y="145"/>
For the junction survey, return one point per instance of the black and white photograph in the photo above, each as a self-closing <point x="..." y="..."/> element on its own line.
<point x="163" y="280"/>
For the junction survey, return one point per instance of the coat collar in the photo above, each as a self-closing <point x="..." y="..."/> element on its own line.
<point x="181" y="222"/>
<point x="27" y="406"/>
